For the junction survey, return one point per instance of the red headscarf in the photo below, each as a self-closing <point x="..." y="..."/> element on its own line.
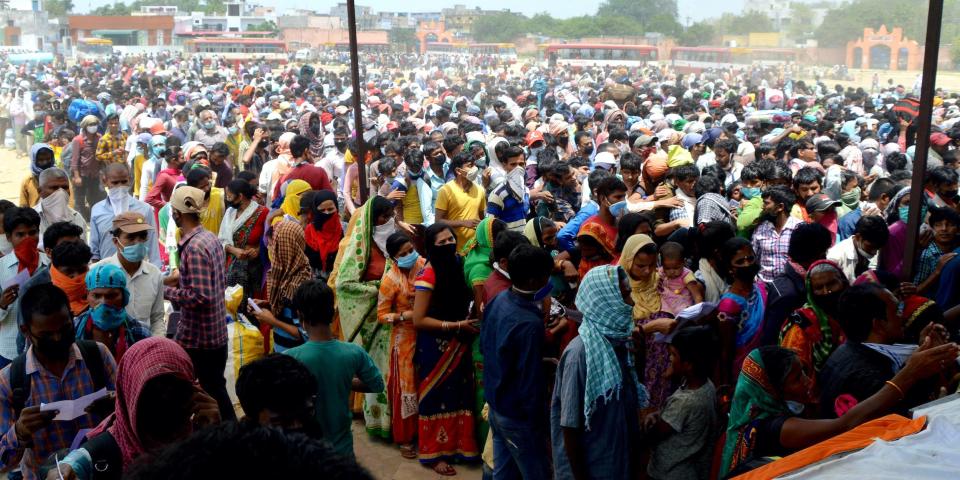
<point x="145" y="360"/>
<point x="324" y="238"/>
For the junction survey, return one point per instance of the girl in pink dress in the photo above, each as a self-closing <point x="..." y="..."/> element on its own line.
<point x="679" y="289"/>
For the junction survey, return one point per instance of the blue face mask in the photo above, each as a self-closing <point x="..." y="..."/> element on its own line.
<point x="750" y="192"/>
<point x="904" y="212"/>
<point x="135" y="252"/>
<point x="107" y="317"/>
<point x="617" y="208"/>
<point x="409" y="260"/>
<point x="158" y="151"/>
<point x="539" y="295"/>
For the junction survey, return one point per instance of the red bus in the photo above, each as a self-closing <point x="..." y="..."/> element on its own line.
<point x="698" y="59"/>
<point x="598" y="54"/>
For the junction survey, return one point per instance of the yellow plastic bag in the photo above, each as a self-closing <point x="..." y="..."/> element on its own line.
<point x="246" y="343"/>
<point x="234" y="295"/>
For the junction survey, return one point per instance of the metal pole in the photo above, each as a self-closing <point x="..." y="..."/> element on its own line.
<point x="357" y="111"/>
<point x="930" y="52"/>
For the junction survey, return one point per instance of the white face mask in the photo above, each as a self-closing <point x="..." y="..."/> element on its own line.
<point x="382" y="232"/>
<point x="119" y="197"/>
<point x="516" y="182"/>
<point x="862" y="252"/>
<point x="55" y="207"/>
<point x="472" y="173"/>
<point x="92" y="129"/>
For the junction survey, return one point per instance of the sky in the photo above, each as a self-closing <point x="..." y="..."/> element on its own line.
<point x="695" y="9"/>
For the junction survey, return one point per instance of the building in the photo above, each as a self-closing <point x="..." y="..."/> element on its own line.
<point x="25" y="5"/>
<point x="460" y="18"/>
<point x="139" y="31"/>
<point x="362" y="12"/>
<point x="238" y="18"/>
<point x="884" y="50"/>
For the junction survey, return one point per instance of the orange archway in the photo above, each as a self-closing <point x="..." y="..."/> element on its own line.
<point x="884" y="49"/>
<point x="436" y="31"/>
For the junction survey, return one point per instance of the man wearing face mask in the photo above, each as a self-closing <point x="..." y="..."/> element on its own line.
<point x="535" y="144"/>
<point x="858" y="253"/>
<point x="54" y="203"/>
<point x="131" y="236"/>
<point x="462" y="202"/>
<point x="197" y="290"/>
<point x="106" y="320"/>
<point x="210" y="132"/>
<point x="116" y="179"/>
<point x="22" y="227"/>
<point x="432" y="180"/>
<point x="112" y="145"/>
<point x="150" y="170"/>
<point x="81" y="368"/>
<point x="510" y="201"/>
<point x="511" y="338"/>
<point x="84" y="165"/>
<point x="41" y="158"/>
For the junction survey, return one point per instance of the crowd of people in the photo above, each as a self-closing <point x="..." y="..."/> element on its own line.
<point x="553" y="272"/>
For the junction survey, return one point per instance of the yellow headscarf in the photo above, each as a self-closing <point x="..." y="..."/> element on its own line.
<point x="291" y="201"/>
<point x="646" y="299"/>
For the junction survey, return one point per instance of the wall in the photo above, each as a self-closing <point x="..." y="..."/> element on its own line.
<point x="319" y="37"/>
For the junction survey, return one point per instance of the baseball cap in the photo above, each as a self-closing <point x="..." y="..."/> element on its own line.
<point x="821" y="202"/>
<point x="691" y="139"/>
<point x="939" y="139"/>
<point x="533" y="137"/>
<point x="131" y="222"/>
<point x="187" y="199"/>
<point x="644" y="140"/>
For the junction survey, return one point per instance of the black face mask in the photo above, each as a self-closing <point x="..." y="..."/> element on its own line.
<point x="341" y="145"/>
<point x="56" y="349"/>
<point x="316" y="129"/>
<point x="320" y="219"/>
<point x="234" y="204"/>
<point x="587" y="150"/>
<point x="746" y="274"/>
<point x="829" y="303"/>
<point x="444" y="252"/>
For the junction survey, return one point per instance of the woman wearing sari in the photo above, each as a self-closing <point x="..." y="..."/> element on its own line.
<point x="323" y="231"/>
<point x="240" y="234"/>
<point x="897" y="213"/>
<point x="289" y="268"/>
<point x="812" y="330"/>
<point x="741" y="308"/>
<point x="311" y="126"/>
<point x="444" y="332"/>
<point x="772" y="380"/>
<point x="395" y="308"/>
<point x="356" y="281"/>
<point x="639" y="260"/>
<point x="598" y="234"/>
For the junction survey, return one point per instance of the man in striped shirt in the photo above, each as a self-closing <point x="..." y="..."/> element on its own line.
<point x="509" y="200"/>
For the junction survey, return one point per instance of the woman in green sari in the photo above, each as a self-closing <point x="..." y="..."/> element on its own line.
<point x="356" y="281"/>
<point x="476" y="268"/>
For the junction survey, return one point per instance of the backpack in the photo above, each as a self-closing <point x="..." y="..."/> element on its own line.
<point x="105" y="457"/>
<point x="20" y="383"/>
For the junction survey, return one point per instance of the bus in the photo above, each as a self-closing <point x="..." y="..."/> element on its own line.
<point x="92" y="48"/>
<point x="505" y="51"/>
<point x="698" y="59"/>
<point x="238" y="50"/>
<point x="444" y="48"/>
<point x="364" y="47"/>
<point x="598" y="54"/>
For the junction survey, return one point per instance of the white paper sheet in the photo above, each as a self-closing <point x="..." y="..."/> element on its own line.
<point x="71" y="409"/>
<point x="18" y="279"/>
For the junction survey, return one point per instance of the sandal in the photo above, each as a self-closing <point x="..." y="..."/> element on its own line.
<point x="408" y="451"/>
<point x="444" y="468"/>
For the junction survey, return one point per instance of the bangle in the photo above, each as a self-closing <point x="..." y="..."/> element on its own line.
<point x="897" y="387"/>
<point x="443" y="326"/>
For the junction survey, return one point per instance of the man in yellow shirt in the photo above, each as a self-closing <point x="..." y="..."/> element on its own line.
<point x="461" y="202"/>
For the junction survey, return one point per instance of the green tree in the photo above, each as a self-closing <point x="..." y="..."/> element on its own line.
<point x="58" y="8"/>
<point x="267" y="26"/>
<point x="499" y="27"/>
<point x="847" y="21"/>
<point x="112" y="9"/>
<point x="730" y="24"/>
<point x="405" y="38"/>
<point x="543" y="24"/>
<point x="700" y="33"/>
<point x="643" y="11"/>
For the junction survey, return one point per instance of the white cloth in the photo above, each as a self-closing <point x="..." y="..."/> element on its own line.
<point x="231" y="222"/>
<point x="844" y="254"/>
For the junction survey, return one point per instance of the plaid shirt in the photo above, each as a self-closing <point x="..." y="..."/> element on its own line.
<point x="928" y="263"/>
<point x="45" y="387"/>
<point x="771" y="247"/>
<point x="108" y="145"/>
<point x="200" y="295"/>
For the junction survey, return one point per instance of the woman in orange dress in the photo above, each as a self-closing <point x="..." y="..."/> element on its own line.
<point x="395" y="307"/>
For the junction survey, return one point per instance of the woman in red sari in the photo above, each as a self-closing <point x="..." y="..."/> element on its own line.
<point x="240" y="232"/>
<point x="598" y="234"/>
